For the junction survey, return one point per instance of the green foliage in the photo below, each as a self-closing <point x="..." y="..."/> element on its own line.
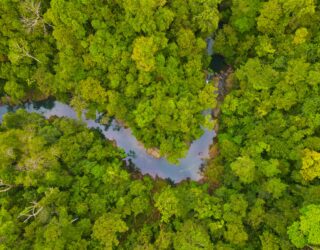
<point x="106" y="227"/>
<point x="58" y="182"/>
<point x="269" y="123"/>
<point x="63" y="186"/>
<point x="192" y="236"/>
<point x="143" y="53"/>
<point x="310" y="165"/>
<point x="244" y="167"/>
<point x="142" y="62"/>
<point x="168" y="204"/>
<point x="27" y="51"/>
<point x="306" y="231"/>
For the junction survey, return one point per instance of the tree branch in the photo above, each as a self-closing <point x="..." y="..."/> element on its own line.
<point x="31" y="212"/>
<point x="4" y="187"/>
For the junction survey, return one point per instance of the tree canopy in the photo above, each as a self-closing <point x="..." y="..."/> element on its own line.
<point x="144" y="62"/>
<point x="140" y="61"/>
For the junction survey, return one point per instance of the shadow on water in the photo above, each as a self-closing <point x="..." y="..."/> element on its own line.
<point x="217" y="63"/>
<point x="47" y="104"/>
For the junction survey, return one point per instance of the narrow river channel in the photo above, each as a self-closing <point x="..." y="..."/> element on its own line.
<point x="188" y="167"/>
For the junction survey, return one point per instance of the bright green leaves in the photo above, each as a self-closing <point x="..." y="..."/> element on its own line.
<point x="144" y="49"/>
<point x="234" y="212"/>
<point x="143" y="22"/>
<point x="145" y="114"/>
<point x="313" y="76"/>
<point x="15" y="90"/>
<point x="306" y="231"/>
<point x="268" y="21"/>
<point x="310" y="168"/>
<point x="69" y="14"/>
<point x="257" y="75"/>
<point x="26" y="48"/>
<point x="269" y="241"/>
<point x="236" y="234"/>
<point x="244" y="168"/>
<point x="168" y="204"/>
<point x="204" y="14"/>
<point x="265" y="47"/>
<point x="164" y="17"/>
<point x="19" y="49"/>
<point x="117" y="57"/>
<point x="296" y="236"/>
<point x="63" y="180"/>
<point x="301" y="8"/>
<point x="192" y="235"/>
<point x="142" y="62"/>
<point x="244" y="13"/>
<point x="208" y="19"/>
<point x="164" y="239"/>
<point x="269" y="126"/>
<point x="186" y="42"/>
<point x="190" y="47"/>
<point x="226" y="42"/>
<point x="207" y="98"/>
<point x="256" y="214"/>
<point x="106" y="230"/>
<point x="310" y="109"/>
<point x="270" y="168"/>
<point x="92" y="91"/>
<point x="300" y="36"/>
<point x="8" y="230"/>
<point x="275" y="187"/>
<point x="276" y="15"/>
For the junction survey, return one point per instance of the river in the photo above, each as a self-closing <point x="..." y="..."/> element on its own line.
<point x="188" y="167"/>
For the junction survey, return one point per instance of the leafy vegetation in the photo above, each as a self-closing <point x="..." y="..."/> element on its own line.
<point x="269" y="127"/>
<point x="140" y="61"/>
<point x="63" y="186"/>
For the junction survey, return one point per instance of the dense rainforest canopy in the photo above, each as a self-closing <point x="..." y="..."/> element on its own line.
<point x="63" y="186"/>
<point x="140" y="61"/>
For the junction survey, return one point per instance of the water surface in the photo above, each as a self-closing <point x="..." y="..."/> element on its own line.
<point x="188" y="167"/>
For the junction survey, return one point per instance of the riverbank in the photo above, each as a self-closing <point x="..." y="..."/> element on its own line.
<point x="223" y="84"/>
<point x="188" y="167"/>
<point x="211" y="171"/>
<point x="148" y="161"/>
<point x="30" y="97"/>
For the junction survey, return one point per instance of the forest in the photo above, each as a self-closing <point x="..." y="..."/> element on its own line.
<point x="145" y="64"/>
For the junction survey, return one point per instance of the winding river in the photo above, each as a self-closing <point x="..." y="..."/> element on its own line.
<point x="188" y="167"/>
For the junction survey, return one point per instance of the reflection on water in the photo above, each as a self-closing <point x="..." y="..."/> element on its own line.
<point x="187" y="168"/>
